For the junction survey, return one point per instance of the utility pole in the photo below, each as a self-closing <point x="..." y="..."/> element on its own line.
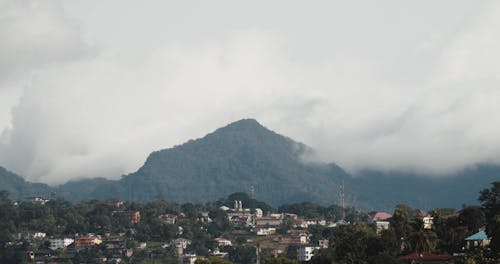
<point x="257" y="253"/>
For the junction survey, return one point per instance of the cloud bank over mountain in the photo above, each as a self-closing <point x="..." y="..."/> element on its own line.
<point x="90" y="90"/>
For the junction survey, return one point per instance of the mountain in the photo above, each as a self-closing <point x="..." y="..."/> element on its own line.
<point x="379" y="190"/>
<point x="245" y="156"/>
<point x="238" y="157"/>
<point x="19" y="188"/>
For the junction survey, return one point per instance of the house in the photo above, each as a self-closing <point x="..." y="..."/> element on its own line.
<point x="182" y="217"/>
<point x="309" y="222"/>
<point x="87" y="241"/>
<point x="57" y="243"/>
<point x="339" y="223"/>
<point x="300" y="223"/>
<point x="218" y="253"/>
<point x="114" y="243"/>
<point x="258" y="212"/>
<point x="205" y="218"/>
<point x="222" y="242"/>
<point x="428" y="221"/>
<point x="380" y="216"/>
<point x="182" y="242"/>
<point x="381" y="225"/>
<point x="265" y="231"/>
<point x="269" y="221"/>
<point x="306" y="253"/>
<point x="30" y="235"/>
<point x="133" y="216"/>
<point x="243" y="218"/>
<point x="168" y="218"/>
<point x="478" y="240"/>
<point x="293" y="239"/>
<point x="427" y="258"/>
<point x="38" y="200"/>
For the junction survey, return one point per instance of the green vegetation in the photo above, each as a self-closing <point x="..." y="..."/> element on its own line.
<point x="359" y="243"/>
<point x="356" y="242"/>
<point x="245" y="155"/>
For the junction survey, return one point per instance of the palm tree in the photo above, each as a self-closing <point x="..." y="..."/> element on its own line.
<point x="423" y="240"/>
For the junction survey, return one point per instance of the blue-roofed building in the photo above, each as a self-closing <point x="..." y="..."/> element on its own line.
<point x="479" y="239"/>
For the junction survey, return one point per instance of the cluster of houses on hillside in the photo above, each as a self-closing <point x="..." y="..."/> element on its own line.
<point x="114" y="244"/>
<point x="262" y="228"/>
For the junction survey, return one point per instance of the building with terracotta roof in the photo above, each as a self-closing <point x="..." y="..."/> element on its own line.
<point x="86" y="241"/>
<point x="427" y="258"/>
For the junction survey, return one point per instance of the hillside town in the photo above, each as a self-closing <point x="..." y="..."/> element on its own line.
<point x="239" y="229"/>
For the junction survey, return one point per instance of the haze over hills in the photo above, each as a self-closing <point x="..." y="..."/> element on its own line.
<point x="245" y="155"/>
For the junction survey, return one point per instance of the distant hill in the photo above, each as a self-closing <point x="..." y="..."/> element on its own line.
<point x="244" y="155"/>
<point x="19" y="188"/>
<point x="378" y="190"/>
<point x="238" y="157"/>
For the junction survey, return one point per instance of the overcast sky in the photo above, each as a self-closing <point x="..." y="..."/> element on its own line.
<point x="90" y="88"/>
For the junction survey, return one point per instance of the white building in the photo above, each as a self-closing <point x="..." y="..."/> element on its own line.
<point x="381" y="225"/>
<point x="222" y="242"/>
<point x="30" y="235"/>
<point x="258" y="212"/>
<point x="182" y="242"/>
<point x="428" y="222"/>
<point x="265" y="231"/>
<point x="306" y="253"/>
<point x="168" y="218"/>
<point x="57" y="243"/>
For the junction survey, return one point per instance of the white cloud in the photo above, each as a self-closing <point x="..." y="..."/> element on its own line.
<point x="425" y="105"/>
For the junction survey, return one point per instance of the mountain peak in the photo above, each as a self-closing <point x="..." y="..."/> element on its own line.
<point x="244" y="128"/>
<point x="247" y="123"/>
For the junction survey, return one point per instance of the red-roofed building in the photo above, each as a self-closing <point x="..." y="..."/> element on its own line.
<point x="86" y="241"/>
<point x="427" y="258"/>
<point x="380" y="216"/>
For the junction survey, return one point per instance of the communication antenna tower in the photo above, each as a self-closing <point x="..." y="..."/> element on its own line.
<point x="342" y="198"/>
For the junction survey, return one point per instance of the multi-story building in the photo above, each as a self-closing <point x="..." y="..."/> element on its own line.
<point x="57" y="243"/>
<point x="306" y="253"/>
<point x="86" y="241"/>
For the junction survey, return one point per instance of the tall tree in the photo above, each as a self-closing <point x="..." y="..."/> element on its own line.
<point x="402" y="225"/>
<point x="490" y="200"/>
